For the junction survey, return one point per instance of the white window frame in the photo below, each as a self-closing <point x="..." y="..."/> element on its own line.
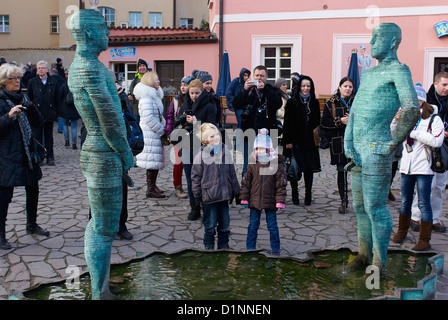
<point x="428" y="67"/>
<point x="135" y="19"/>
<point x="295" y="41"/>
<point x="109" y="15"/>
<point x="54" y="25"/>
<point x="4" y="23"/>
<point x="185" y="23"/>
<point x="278" y="59"/>
<point x="155" y="16"/>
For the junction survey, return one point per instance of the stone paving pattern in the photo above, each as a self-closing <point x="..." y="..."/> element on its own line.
<point x="161" y="225"/>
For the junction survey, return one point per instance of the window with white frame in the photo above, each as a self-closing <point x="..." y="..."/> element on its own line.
<point x="135" y="19"/>
<point x="155" y="19"/>
<point x="277" y="59"/>
<point x="109" y="15"/>
<point x="4" y="23"/>
<point x="186" y="23"/>
<point x="54" y="24"/>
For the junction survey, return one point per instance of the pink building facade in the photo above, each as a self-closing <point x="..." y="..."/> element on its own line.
<point x="310" y="37"/>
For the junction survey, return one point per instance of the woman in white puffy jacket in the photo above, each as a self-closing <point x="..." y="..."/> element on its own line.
<point x="415" y="168"/>
<point x="152" y="122"/>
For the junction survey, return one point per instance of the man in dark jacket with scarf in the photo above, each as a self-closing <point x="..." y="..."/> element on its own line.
<point x="259" y="103"/>
<point x="142" y="67"/>
<point x="43" y="92"/>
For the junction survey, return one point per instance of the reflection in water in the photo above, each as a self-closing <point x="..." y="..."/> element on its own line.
<point x="195" y="275"/>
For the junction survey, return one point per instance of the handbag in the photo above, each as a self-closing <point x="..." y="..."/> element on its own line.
<point x="439" y="156"/>
<point x="292" y="169"/>
<point x="163" y="138"/>
<point x="40" y="153"/>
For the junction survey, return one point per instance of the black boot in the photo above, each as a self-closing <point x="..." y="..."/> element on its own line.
<point x="308" y="177"/>
<point x="344" y="201"/>
<point x="295" y="193"/>
<point x="195" y="213"/>
<point x="4" y="245"/>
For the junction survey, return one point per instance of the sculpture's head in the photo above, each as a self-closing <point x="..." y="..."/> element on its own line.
<point x="386" y="37"/>
<point x="89" y="30"/>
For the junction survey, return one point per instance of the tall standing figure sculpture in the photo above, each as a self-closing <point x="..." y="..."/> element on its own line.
<point x="368" y="141"/>
<point x="105" y="154"/>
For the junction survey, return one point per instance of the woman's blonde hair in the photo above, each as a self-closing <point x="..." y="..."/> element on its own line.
<point x="8" y="70"/>
<point x="206" y="130"/>
<point x="149" y="79"/>
<point x="196" y="83"/>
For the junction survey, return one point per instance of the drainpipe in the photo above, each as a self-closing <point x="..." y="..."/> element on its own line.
<point x="174" y="13"/>
<point x="221" y="10"/>
<point x="82" y="4"/>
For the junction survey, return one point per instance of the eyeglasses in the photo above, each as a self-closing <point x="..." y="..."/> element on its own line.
<point x="15" y="78"/>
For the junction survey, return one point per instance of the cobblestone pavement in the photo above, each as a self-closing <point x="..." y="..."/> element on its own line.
<point x="162" y="225"/>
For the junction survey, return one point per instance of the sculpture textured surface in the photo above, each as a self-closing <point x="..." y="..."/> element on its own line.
<point x="368" y="141"/>
<point x="105" y="153"/>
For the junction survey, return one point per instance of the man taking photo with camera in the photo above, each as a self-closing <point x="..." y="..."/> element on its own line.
<point x="259" y="102"/>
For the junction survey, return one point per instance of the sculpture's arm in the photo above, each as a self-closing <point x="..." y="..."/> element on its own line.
<point x="111" y="121"/>
<point x="349" y="148"/>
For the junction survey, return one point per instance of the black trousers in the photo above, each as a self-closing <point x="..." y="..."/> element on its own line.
<point x="32" y="198"/>
<point x="44" y="135"/>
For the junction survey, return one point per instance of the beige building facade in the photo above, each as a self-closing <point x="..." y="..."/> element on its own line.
<point x="32" y="30"/>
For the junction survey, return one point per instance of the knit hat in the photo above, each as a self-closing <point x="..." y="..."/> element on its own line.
<point x="186" y="79"/>
<point x="263" y="140"/>
<point x="141" y="61"/>
<point x="421" y="93"/>
<point x="203" y="76"/>
<point x="280" y="82"/>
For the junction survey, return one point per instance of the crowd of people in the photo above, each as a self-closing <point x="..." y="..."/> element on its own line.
<point x="192" y="126"/>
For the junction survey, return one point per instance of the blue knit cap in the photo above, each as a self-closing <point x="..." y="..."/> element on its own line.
<point x="421" y="93"/>
<point x="186" y="79"/>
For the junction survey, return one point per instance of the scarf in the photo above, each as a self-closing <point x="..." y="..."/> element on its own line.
<point x="139" y="75"/>
<point x="25" y="127"/>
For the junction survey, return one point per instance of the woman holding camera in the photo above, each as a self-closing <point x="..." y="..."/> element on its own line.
<point x="302" y="116"/>
<point x="195" y="110"/>
<point x="19" y="165"/>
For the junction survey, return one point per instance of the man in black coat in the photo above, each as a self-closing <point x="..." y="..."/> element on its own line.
<point x="260" y="102"/>
<point x="43" y="91"/>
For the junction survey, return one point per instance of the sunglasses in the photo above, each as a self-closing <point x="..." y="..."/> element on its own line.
<point x="15" y="78"/>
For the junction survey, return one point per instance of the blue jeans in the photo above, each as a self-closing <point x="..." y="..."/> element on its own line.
<point x="73" y="126"/>
<point x="216" y="218"/>
<point x="424" y="194"/>
<point x="254" y="224"/>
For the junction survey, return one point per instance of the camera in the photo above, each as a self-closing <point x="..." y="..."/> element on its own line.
<point x="189" y="112"/>
<point x="246" y="112"/>
<point x="255" y="83"/>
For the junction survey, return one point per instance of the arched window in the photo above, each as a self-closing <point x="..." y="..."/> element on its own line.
<point x="109" y="15"/>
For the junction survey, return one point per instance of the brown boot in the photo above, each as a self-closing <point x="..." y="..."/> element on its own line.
<point x="403" y="226"/>
<point x="151" y="177"/>
<point x="424" y="237"/>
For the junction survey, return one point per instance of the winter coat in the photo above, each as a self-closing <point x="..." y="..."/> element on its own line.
<point x="45" y="97"/>
<point x="269" y="103"/>
<point x="66" y="105"/>
<point x="134" y="83"/>
<point x="334" y="129"/>
<point x="261" y="190"/>
<point x="440" y="102"/>
<point x="298" y="126"/>
<point x="213" y="177"/>
<point x="418" y="162"/>
<point x="171" y="114"/>
<point x="234" y="88"/>
<point x="14" y="168"/>
<point x="153" y="126"/>
<point x="202" y="109"/>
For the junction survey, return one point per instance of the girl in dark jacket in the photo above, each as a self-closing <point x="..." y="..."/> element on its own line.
<point x="334" y="120"/>
<point x="195" y="110"/>
<point x="214" y="184"/>
<point x="302" y="116"/>
<point x="69" y="115"/>
<point x="264" y="187"/>
<point x="19" y="165"/>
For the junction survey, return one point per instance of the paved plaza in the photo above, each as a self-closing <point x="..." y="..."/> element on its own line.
<point x="161" y="225"/>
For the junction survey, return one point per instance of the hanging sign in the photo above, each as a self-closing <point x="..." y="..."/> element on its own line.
<point x="122" y="52"/>
<point x="441" y="28"/>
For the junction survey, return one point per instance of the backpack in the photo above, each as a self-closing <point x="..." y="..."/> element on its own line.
<point x="134" y="133"/>
<point x="439" y="155"/>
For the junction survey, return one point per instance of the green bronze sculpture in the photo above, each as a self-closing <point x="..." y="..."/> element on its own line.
<point x="105" y="154"/>
<point x="369" y="143"/>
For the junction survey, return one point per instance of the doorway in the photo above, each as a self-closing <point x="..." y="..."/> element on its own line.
<point x="440" y="64"/>
<point x="125" y="73"/>
<point x="170" y="73"/>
